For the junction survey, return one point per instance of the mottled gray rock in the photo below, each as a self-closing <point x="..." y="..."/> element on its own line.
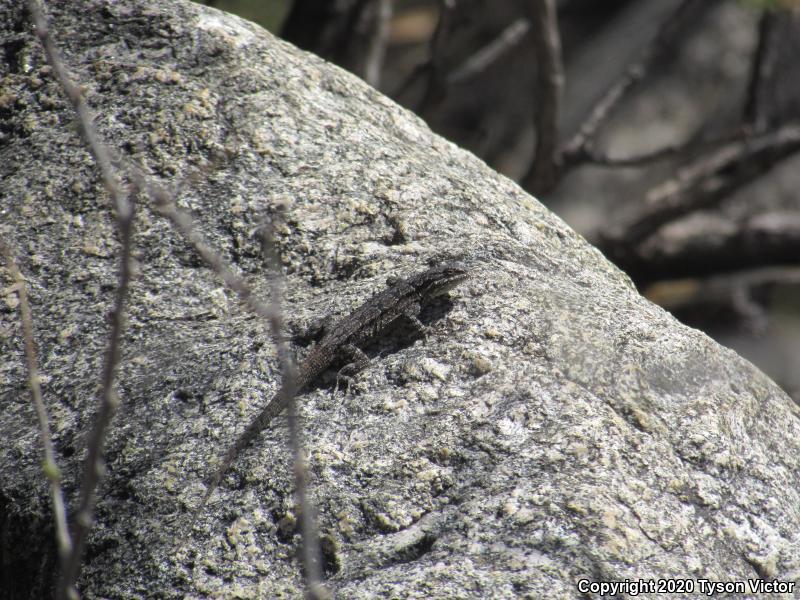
<point x="554" y="427"/>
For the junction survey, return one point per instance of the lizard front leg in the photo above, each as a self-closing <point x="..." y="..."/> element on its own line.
<point x="358" y="361"/>
<point x="411" y="313"/>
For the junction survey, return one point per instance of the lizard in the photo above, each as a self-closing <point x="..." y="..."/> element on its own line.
<point x="401" y="298"/>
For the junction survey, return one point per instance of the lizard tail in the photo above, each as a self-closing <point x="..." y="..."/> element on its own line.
<point x="256" y="426"/>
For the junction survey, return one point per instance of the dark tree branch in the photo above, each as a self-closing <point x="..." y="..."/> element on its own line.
<point x="378" y="42"/>
<point x="329" y="29"/>
<point x="678" y="150"/>
<point x="435" y="84"/>
<point x="761" y="70"/>
<point x="432" y="66"/>
<point x="666" y="37"/>
<point x="766" y="239"/>
<point x="742" y="293"/>
<point x="544" y="171"/>
<point x="490" y="53"/>
<point x="713" y="178"/>
<point x="699" y="186"/>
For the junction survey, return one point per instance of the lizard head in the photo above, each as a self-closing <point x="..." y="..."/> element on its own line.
<point x="441" y="279"/>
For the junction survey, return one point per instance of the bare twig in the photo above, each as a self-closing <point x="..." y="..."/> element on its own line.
<point x="702" y="184"/>
<point x="483" y="58"/>
<point x="437" y="82"/>
<point x="378" y="42"/>
<point x="433" y="66"/>
<point x="124" y="215"/>
<point x="741" y="292"/>
<point x="165" y="205"/>
<point x="51" y="469"/>
<point x="543" y="173"/>
<point x="435" y="86"/>
<point x="85" y="117"/>
<point x="669" y="151"/>
<point x="713" y="178"/>
<point x="698" y="249"/>
<point x="635" y="73"/>
<point x="110" y="401"/>
<point x="441" y="34"/>
<point x="761" y="70"/>
<point x="312" y="557"/>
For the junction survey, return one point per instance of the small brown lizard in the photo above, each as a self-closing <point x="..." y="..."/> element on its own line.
<point x="402" y="298"/>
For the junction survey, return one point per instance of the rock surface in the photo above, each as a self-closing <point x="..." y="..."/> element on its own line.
<point x="554" y="427"/>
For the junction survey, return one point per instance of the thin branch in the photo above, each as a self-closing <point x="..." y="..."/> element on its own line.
<point x="312" y="557"/>
<point x="435" y="86"/>
<point x="714" y="177"/>
<point x="701" y="185"/>
<point x="184" y="223"/>
<point x="377" y="45"/>
<point x="124" y="214"/>
<point x="483" y="58"/>
<point x="85" y="117"/>
<point x="441" y="34"/>
<point x="698" y="249"/>
<point x="348" y="19"/>
<point x="433" y="66"/>
<point x="471" y="67"/>
<point x="94" y="467"/>
<point x="635" y="73"/>
<point x="50" y="465"/>
<point x="543" y="173"/>
<point x="599" y="159"/>
<point x="164" y="203"/>
<point x="761" y="70"/>
<point x="742" y="292"/>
